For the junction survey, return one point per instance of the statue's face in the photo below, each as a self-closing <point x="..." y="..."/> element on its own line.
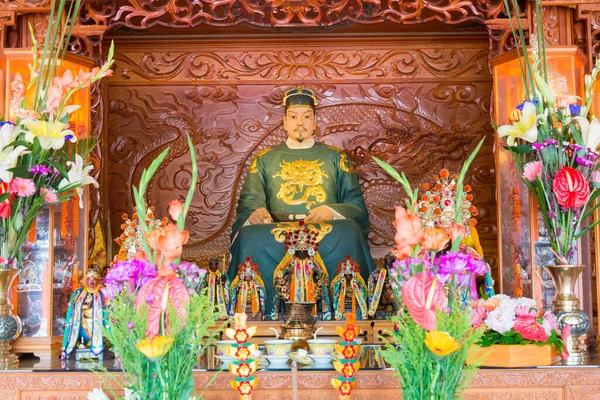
<point x="299" y="122"/>
<point x="92" y="282"/>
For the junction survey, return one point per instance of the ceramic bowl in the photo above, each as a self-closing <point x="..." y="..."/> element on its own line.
<point x="321" y="361"/>
<point x="277" y="361"/>
<point x="225" y="348"/>
<point x="226" y="361"/>
<point x="278" y="348"/>
<point x="321" y="347"/>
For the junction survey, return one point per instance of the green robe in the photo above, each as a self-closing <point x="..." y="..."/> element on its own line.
<point x="289" y="183"/>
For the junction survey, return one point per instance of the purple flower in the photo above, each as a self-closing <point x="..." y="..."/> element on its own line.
<point x="551" y="214"/>
<point x="39" y="170"/>
<point x="133" y="273"/>
<point x="550" y="142"/>
<point x="574" y="109"/>
<point x="538" y="146"/>
<point x="460" y="265"/>
<point x="6" y="122"/>
<point x="520" y="106"/>
<point x="584" y="162"/>
<point x="149" y="298"/>
<point x="130" y="326"/>
<point x="191" y="275"/>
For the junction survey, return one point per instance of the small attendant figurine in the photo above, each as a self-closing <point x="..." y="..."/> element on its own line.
<point x="85" y="317"/>
<point x="349" y="290"/>
<point x="301" y="277"/>
<point x="381" y="299"/>
<point x="218" y="287"/>
<point x="248" y="289"/>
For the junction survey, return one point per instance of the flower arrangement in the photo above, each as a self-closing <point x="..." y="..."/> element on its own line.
<point x="158" y="322"/>
<point x="517" y="321"/>
<point x="433" y="332"/>
<point x="554" y="143"/>
<point x="41" y="159"/>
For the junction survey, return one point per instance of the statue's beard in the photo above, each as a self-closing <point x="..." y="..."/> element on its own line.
<point x="300" y="139"/>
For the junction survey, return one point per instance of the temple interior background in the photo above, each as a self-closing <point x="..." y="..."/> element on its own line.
<point x="408" y="82"/>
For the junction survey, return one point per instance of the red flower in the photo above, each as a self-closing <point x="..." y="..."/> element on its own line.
<point x="242" y="353"/>
<point x="346" y="388"/>
<point x="570" y="188"/>
<point x="6" y="204"/>
<point x="245" y="388"/>
<point x="348" y="370"/>
<point x="241" y="336"/>
<point x="349" y="352"/>
<point x="244" y="370"/>
<point x="528" y="327"/>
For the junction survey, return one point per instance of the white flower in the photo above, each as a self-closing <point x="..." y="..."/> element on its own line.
<point x="131" y="395"/>
<point x="8" y="134"/>
<point x="547" y="327"/>
<point x="525" y="128"/>
<point x="97" y="394"/>
<point x="590" y="132"/>
<point x="524" y="301"/>
<point x="500" y="320"/>
<point x="78" y="175"/>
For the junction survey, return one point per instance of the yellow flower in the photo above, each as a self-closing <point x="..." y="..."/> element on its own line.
<point x="525" y="128"/>
<point x="155" y="348"/>
<point x="50" y="134"/>
<point x="440" y="343"/>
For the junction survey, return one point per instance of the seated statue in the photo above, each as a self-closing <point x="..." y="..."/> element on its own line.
<point x="85" y="317"/>
<point x="348" y="291"/>
<point x="217" y="288"/>
<point x="301" y="179"/>
<point x="381" y="298"/>
<point x="301" y="276"/>
<point x="248" y="291"/>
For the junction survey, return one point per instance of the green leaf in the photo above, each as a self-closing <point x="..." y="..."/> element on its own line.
<point x="520" y="149"/>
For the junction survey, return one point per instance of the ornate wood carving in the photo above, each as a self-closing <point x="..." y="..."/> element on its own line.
<point x="500" y="384"/>
<point x="421" y="110"/>
<point x="144" y="14"/>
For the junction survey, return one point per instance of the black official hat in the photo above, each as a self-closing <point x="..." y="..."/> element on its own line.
<point x="299" y="97"/>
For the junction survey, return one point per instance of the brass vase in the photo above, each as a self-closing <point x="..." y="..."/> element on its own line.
<point x="567" y="310"/>
<point x="10" y="325"/>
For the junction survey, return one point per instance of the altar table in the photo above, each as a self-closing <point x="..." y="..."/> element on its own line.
<point x="549" y="383"/>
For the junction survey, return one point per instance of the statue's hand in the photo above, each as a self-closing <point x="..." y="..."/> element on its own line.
<point x="318" y="214"/>
<point x="260" y="216"/>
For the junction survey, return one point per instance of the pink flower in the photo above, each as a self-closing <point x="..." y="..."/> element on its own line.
<point x="49" y="195"/>
<point x="175" y="208"/>
<point x="22" y="187"/>
<point x="55" y="97"/>
<point x="596" y="177"/>
<point x="526" y="324"/>
<point x="24" y="113"/>
<point x="548" y="316"/>
<point x="18" y="88"/>
<point x="479" y="315"/>
<point x="532" y="170"/>
<point x="565" y="334"/>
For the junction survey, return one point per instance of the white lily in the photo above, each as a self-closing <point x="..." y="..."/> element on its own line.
<point x="78" y="175"/>
<point x="50" y="134"/>
<point x="590" y="132"/>
<point x="525" y="128"/>
<point x="8" y="134"/>
<point x="97" y="394"/>
<point x="8" y="160"/>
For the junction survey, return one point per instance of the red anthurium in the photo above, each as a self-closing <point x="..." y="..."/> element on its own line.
<point x="570" y="188"/>
<point x="6" y="204"/>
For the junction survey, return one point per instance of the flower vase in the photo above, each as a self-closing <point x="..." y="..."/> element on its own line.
<point x="567" y="310"/>
<point x="10" y="325"/>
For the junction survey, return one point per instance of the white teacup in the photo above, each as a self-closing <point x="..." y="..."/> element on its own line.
<point x="225" y="348"/>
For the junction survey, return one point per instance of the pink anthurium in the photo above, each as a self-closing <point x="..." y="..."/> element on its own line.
<point x="422" y="295"/>
<point x="166" y="289"/>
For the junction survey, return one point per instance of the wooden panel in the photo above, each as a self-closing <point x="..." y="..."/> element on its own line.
<point x="501" y="384"/>
<point x="419" y="105"/>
